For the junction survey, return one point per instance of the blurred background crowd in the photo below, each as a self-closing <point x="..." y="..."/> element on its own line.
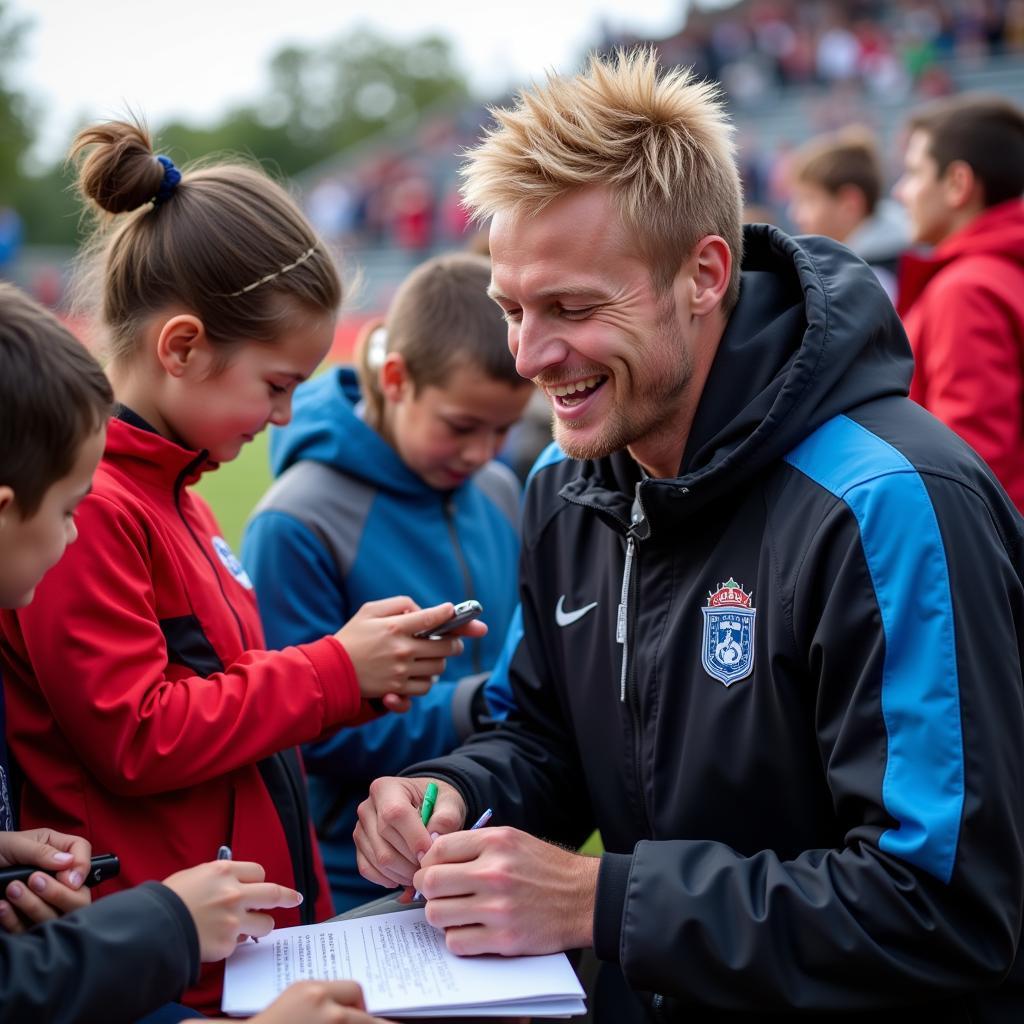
<point x="370" y="128"/>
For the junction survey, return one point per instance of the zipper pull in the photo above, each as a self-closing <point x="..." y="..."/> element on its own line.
<point x="621" y="619"/>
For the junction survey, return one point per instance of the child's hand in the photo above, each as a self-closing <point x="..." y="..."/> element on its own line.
<point x="318" y="1002"/>
<point x="388" y="659"/>
<point x="225" y="898"/>
<point x="44" y="897"/>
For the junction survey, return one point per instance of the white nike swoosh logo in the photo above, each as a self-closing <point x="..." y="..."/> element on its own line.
<point x="564" y="618"/>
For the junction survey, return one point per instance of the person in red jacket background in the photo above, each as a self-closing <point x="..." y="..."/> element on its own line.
<point x="143" y="709"/>
<point x="963" y="304"/>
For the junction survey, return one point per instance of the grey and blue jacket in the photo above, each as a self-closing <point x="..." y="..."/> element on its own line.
<point x="784" y="684"/>
<point x="347" y="522"/>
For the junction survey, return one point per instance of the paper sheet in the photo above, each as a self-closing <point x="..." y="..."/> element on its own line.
<point x="404" y="967"/>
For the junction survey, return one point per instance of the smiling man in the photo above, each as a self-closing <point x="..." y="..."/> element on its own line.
<point x="759" y="594"/>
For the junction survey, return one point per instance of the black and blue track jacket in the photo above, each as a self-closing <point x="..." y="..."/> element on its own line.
<point x="789" y="694"/>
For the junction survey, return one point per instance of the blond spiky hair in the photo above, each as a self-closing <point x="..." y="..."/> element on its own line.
<point x="661" y="142"/>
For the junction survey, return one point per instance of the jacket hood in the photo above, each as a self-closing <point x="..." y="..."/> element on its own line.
<point x="813" y="335"/>
<point x="325" y="427"/>
<point x="999" y="231"/>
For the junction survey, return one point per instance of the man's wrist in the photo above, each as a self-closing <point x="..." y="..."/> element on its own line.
<point x="582" y="927"/>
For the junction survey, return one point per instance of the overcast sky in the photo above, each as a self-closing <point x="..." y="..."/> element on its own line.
<point x="193" y="58"/>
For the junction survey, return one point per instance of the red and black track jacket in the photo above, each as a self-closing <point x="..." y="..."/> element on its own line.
<point x="142" y="708"/>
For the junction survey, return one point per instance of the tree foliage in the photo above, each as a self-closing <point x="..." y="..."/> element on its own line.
<point x="319" y="101"/>
<point x="322" y="100"/>
<point x="15" y="113"/>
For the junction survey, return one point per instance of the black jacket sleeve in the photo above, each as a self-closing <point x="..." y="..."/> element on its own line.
<point x="116" y="960"/>
<point x="919" y="732"/>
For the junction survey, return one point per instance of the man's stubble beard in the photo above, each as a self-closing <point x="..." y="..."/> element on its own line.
<point x="636" y="416"/>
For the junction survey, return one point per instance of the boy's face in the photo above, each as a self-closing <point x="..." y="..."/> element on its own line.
<point x="445" y="434"/>
<point x="29" y="547"/>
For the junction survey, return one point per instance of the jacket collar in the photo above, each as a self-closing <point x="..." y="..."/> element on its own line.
<point x="153" y="458"/>
<point x="813" y="335"/>
<point x="998" y="231"/>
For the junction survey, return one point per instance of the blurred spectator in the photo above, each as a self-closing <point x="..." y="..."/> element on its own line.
<point x="963" y="305"/>
<point x="837" y="186"/>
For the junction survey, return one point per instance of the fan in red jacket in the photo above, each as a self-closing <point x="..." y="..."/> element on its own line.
<point x="963" y="305"/>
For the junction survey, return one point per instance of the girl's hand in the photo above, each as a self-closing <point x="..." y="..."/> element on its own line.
<point x="225" y="899"/>
<point x="318" y="1002"/>
<point x="388" y="659"/>
<point x="44" y="897"/>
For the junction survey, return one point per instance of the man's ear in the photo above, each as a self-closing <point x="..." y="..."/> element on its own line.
<point x="706" y="274"/>
<point x="395" y="381"/>
<point x="7" y="505"/>
<point x="182" y="346"/>
<point x="961" y="185"/>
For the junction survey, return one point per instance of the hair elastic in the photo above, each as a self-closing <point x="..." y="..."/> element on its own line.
<point x="171" y="178"/>
<point x="277" y="273"/>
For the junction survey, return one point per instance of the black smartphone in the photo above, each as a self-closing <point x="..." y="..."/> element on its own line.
<point x="102" y="867"/>
<point x="464" y="612"/>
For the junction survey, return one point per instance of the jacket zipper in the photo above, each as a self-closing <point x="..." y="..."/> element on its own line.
<point x="625" y="624"/>
<point x="449" y="517"/>
<point x="625" y="620"/>
<point x="178" y="488"/>
<point x="622" y="617"/>
<point x="301" y="869"/>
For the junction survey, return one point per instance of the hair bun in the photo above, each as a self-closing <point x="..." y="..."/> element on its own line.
<point x="120" y="172"/>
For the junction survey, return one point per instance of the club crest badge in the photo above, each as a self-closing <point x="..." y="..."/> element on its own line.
<point x="230" y="562"/>
<point x="728" y="649"/>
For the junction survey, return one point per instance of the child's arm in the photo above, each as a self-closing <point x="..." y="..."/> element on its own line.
<point x="302" y="596"/>
<point x="94" y="644"/>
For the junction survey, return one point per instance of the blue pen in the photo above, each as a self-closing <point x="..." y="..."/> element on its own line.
<point x="479" y="823"/>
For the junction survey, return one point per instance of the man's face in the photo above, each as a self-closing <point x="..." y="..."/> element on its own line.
<point x="923" y="192"/>
<point x="587" y="324"/>
<point x="29" y="547"/>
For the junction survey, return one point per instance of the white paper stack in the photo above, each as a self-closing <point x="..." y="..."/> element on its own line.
<point x="405" y="969"/>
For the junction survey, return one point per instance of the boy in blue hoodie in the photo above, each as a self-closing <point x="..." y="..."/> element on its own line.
<point x="387" y="485"/>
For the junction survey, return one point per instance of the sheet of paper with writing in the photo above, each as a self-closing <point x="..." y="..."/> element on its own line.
<point x="404" y="968"/>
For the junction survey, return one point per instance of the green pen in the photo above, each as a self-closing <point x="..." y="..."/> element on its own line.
<point x="429" y="797"/>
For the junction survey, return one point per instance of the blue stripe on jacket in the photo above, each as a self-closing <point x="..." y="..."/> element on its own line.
<point x="923" y="785"/>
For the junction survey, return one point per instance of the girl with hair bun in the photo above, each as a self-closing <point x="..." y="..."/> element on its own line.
<point x="143" y="709"/>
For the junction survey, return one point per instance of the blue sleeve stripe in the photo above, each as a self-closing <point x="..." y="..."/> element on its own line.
<point x="548" y="457"/>
<point x="923" y="784"/>
<point x="498" y="688"/>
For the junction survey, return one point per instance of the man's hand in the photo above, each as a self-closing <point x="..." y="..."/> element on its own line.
<point x="500" y="890"/>
<point x="318" y="1002"/>
<point x="223" y="898"/>
<point x="390" y="836"/>
<point x="44" y="897"/>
